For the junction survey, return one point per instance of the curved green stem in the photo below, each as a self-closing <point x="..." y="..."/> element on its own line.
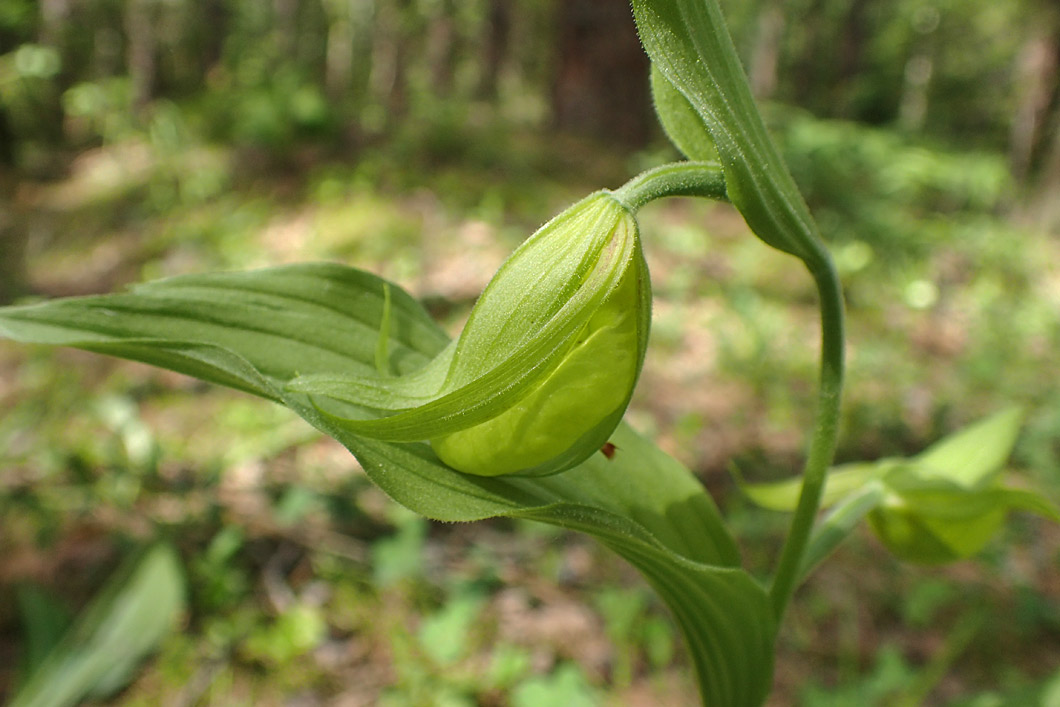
<point x="676" y="179"/>
<point x="707" y="179"/>
<point x="825" y="434"/>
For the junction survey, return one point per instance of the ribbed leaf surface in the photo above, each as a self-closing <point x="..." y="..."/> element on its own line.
<point x="255" y="331"/>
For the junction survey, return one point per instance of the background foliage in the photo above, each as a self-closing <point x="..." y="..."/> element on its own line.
<point x="423" y="139"/>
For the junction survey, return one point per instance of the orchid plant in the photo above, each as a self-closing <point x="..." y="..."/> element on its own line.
<point x="521" y="415"/>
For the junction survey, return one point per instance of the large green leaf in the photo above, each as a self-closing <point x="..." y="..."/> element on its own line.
<point x="44" y="620"/>
<point x="256" y="331"/>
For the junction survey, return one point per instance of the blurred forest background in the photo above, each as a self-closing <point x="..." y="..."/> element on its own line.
<point x="423" y="139"/>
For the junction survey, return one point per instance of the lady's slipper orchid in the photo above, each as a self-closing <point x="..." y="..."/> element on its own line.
<point x="545" y="366"/>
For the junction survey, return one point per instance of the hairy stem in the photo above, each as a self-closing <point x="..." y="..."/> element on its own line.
<point x="707" y="179"/>
<point x="704" y="179"/>
<point x="825" y="434"/>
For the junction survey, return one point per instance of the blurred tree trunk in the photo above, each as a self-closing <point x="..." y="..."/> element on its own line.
<point x="919" y="70"/>
<point x="12" y="251"/>
<point x="210" y="33"/>
<point x="1036" y="74"/>
<point x="804" y="71"/>
<point x="494" y="48"/>
<point x="829" y="44"/>
<point x="140" y="53"/>
<point x="1047" y="142"/>
<point x="389" y="78"/>
<point x="12" y="229"/>
<point x="765" y="53"/>
<point x="600" y="84"/>
<point x="1034" y="135"/>
<point x="106" y="54"/>
<point x="54" y="17"/>
<point x="851" y="58"/>
<point x="1048" y="206"/>
<point x="442" y="48"/>
<point x="285" y="28"/>
<point x="338" y="51"/>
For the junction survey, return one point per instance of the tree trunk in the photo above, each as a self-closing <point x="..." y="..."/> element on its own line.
<point x="494" y="48"/>
<point x="48" y="109"/>
<point x="12" y="229"/>
<point x="389" y="80"/>
<point x="212" y="28"/>
<point x="1036" y="81"/>
<point x="338" y="53"/>
<point x="53" y="17"/>
<point x="804" y="66"/>
<point x="919" y="70"/>
<point x="600" y="86"/>
<point x="286" y="28"/>
<point x="765" y="54"/>
<point x="442" y="49"/>
<point x="912" y="111"/>
<point x="851" y="55"/>
<point x="140" y="53"/>
<point x="1048" y="183"/>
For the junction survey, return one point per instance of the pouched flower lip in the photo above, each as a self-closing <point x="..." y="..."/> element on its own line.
<point x="499" y="399"/>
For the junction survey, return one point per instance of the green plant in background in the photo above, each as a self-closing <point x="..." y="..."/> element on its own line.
<point x="139" y="606"/>
<point x="508" y="419"/>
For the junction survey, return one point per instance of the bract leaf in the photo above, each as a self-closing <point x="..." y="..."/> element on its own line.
<point x="925" y="539"/>
<point x="946" y="503"/>
<point x="942" y="505"/>
<point x="688" y="41"/>
<point x="644" y="505"/>
<point x="1029" y="500"/>
<point x="679" y="119"/>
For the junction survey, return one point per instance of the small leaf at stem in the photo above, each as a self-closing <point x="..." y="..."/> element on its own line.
<point x="975" y="455"/>
<point x="942" y="505"/>
<point x="690" y="46"/>
<point x="679" y="119"/>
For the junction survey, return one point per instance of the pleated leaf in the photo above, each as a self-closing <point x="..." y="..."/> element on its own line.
<point x="690" y="46"/>
<point x="257" y="331"/>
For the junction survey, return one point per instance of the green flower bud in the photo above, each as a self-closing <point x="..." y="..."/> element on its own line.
<point x="582" y="273"/>
<point x="545" y="367"/>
